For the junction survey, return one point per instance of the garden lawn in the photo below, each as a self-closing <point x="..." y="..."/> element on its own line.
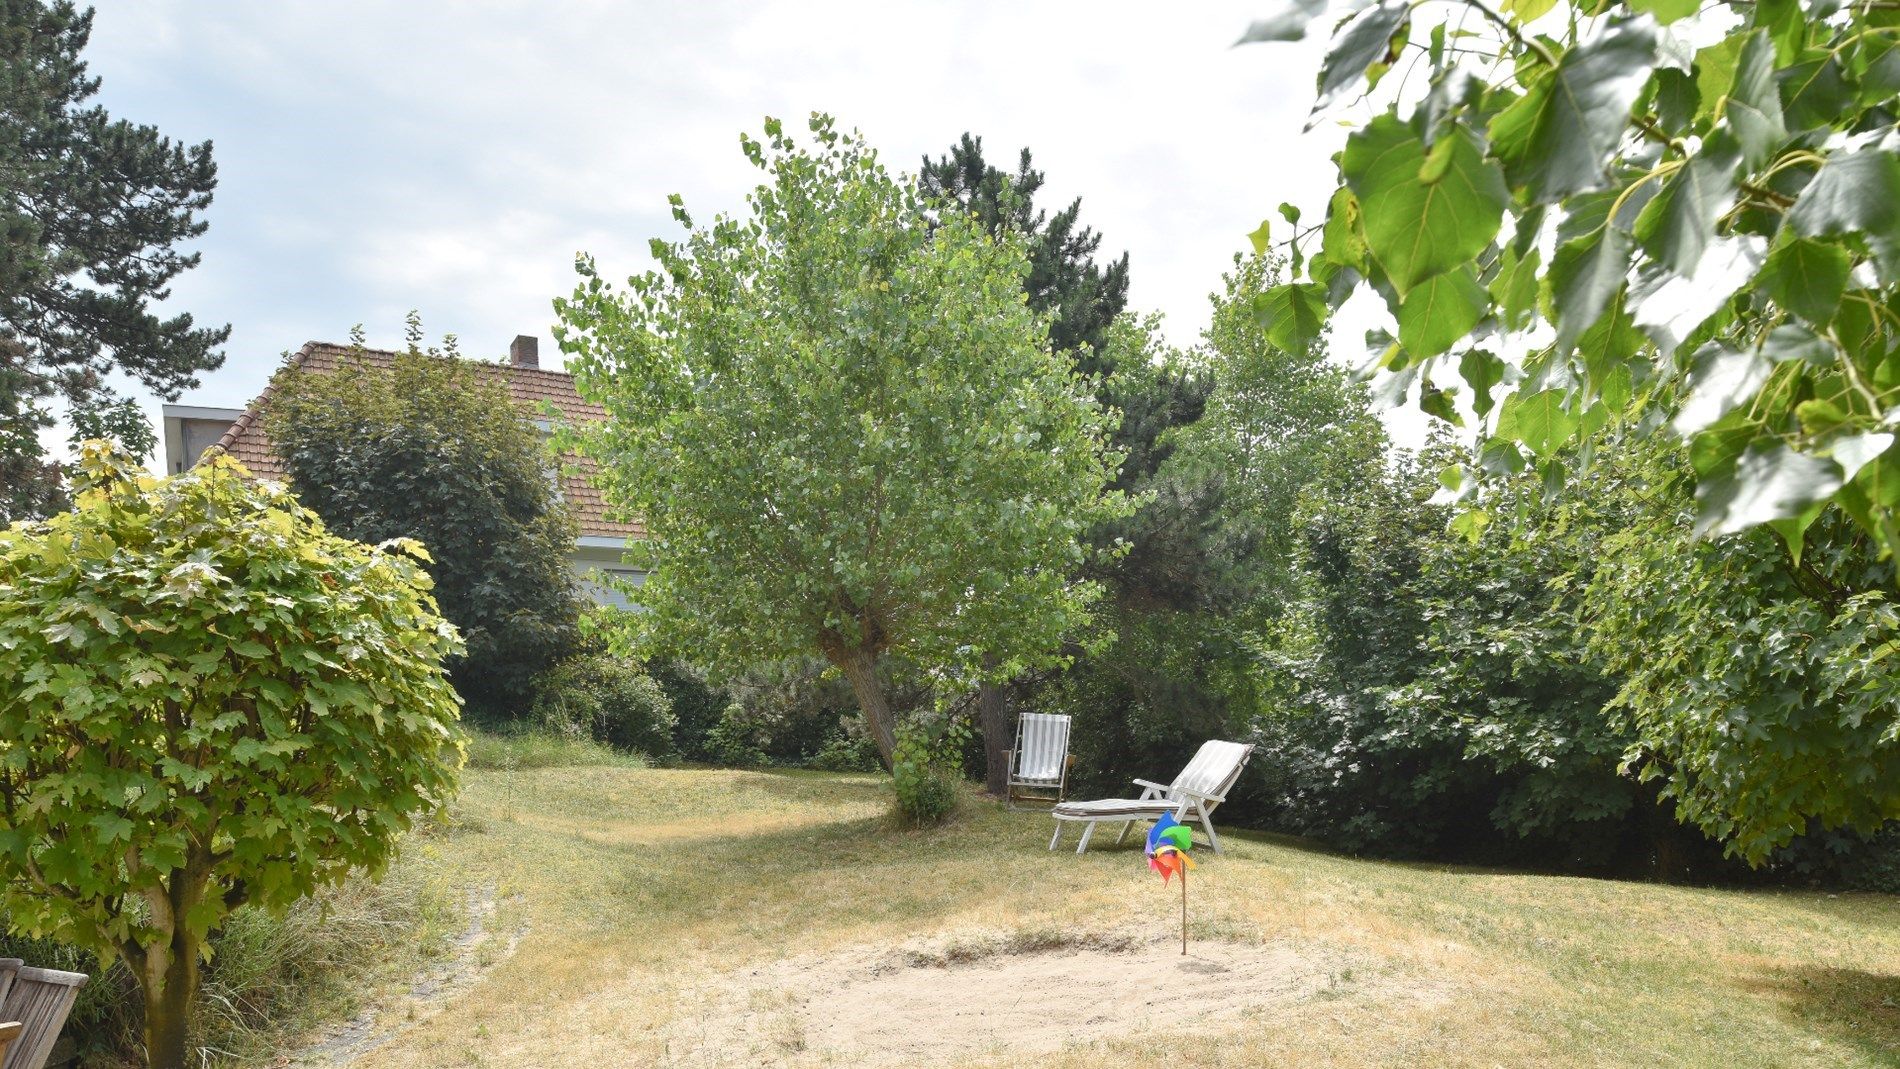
<point x="658" y="917"/>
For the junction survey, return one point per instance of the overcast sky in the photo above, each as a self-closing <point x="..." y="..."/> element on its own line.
<point x="453" y="157"/>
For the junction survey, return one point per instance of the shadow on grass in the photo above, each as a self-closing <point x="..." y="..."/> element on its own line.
<point x="1853" y="1006"/>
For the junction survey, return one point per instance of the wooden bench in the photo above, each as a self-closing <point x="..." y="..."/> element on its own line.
<point x="33" y="1004"/>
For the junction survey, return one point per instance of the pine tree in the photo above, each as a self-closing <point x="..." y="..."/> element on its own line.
<point x="94" y="214"/>
<point x="1084" y="297"/>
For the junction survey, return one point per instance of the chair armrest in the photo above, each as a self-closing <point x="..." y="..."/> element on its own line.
<point x="1198" y="795"/>
<point x="1152" y="785"/>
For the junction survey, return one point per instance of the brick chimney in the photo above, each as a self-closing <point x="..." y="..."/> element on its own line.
<point x="525" y="351"/>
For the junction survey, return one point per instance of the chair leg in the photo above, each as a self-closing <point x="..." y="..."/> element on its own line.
<point x="1056" y="836"/>
<point x="1126" y="824"/>
<point x="1207" y="825"/>
<point x="1087" y="830"/>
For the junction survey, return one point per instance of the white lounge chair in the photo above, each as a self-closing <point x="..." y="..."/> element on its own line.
<point x="1040" y="761"/>
<point x="1192" y="798"/>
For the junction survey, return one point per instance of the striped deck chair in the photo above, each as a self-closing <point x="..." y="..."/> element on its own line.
<point x="1192" y="798"/>
<point x="1040" y="762"/>
<point x="38" y="1000"/>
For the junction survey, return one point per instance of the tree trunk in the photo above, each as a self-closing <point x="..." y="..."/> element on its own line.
<point x="168" y="978"/>
<point x="859" y="666"/>
<point x="992" y="712"/>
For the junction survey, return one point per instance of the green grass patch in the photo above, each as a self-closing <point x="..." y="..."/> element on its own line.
<point x="518" y="751"/>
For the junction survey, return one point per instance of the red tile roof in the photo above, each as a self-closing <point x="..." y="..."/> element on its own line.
<point x="534" y="388"/>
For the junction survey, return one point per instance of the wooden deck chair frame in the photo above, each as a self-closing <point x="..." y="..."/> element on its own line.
<point x="38" y="1000"/>
<point x="1040" y="760"/>
<point x="1191" y="799"/>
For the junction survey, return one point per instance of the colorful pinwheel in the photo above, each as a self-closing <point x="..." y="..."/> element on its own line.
<point x="1168" y="844"/>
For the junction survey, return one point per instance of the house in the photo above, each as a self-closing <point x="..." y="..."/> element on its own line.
<point x="190" y="431"/>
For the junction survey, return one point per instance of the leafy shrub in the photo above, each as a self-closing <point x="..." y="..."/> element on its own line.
<point x="230" y="706"/>
<point x="607" y="699"/>
<point x="1844" y="859"/>
<point x="696" y="702"/>
<point x="925" y="767"/>
<point x="1441" y="701"/>
<point x="849" y="749"/>
<point x="794" y="713"/>
<point x="429" y="446"/>
<point x="734" y="740"/>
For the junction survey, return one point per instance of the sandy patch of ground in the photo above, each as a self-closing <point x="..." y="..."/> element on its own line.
<point x="965" y="998"/>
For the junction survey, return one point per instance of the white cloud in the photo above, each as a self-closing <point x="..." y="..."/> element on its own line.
<point x="453" y="157"/>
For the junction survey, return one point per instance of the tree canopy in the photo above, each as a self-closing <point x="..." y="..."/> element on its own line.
<point x="844" y="429"/>
<point x="1606" y="230"/>
<point x="92" y="225"/>
<point x="432" y="447"/>
<point x="208" y="701"/>
<point x="1627" y="218"/>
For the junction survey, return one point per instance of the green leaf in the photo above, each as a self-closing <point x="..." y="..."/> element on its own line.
<point x="1678" y="225"/>
<point x="1471" y="524"/>
<point x="1442" y="403"/>
<point x="1715" y="68"/>
<point x="1666" y="11"/>
<point x="1361" y="41"/>
<point x="1814" y="94"/>
<point x="1720" y="380"/>
<point x="1415" y="228"/>
<point x="1342" y="241"/>
<point x="1769" y="482"/>
<point x="1677" y="100"/>
<point x="1289" y="212"/>
<point x="1540" y="421"/>
<point x="1514" y="290"/>
<point x="1792" y="341"/>
<point x="1753" y="103"/>
<point x="1262" y="236"/>
<point x="1286" y="21"/>
<point x="1584" y="276"/>
<point x="1856" y="451"/>
<point x="1785" y="26"/>
<point x="1439" y="312"/>
<point x="1606" y="351"/>
<point x="1555" y="140"/>
<point x="1481" y="372"/>
<point x="1793" y="530"/>
<point x="1522" y="11"/>
<point x="1878" y="69"/>
<point x="1855" y="192"/>
<point x="1806" y="277"/>
<point x="1293" y="314"/>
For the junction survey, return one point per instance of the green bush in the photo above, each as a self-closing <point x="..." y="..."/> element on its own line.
<point x="849" y="749"/>
<point x="606" y="699"/>
<point x="926" y="765"/>
<point x="735" y="740"/>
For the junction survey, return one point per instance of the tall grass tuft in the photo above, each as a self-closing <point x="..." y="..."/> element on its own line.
<point x="522" y="750"/>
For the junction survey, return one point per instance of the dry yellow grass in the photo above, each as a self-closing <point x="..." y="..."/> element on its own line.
<point x="636" y="894"/>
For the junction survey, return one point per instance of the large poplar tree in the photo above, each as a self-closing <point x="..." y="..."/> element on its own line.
<point x="844" y="428"/>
